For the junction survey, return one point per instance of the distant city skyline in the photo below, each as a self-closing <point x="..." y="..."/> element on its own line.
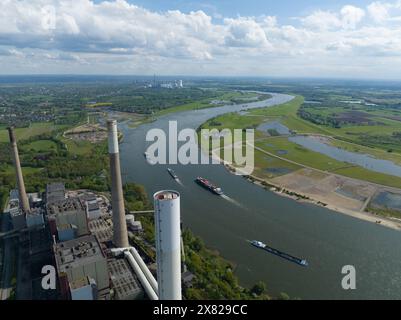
<point x="316" y="38"/>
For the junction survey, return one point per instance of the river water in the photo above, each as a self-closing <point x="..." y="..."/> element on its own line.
<point x="328" y="240"/>
<point x="363" y="160"/>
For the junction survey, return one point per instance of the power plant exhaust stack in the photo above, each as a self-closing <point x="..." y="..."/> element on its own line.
<point x="23" y="199"/>
<point x="168" y="244"/>
<point x="120" y="236"/>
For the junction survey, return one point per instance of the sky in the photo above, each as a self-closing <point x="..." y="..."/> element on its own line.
<point x="264" y="38"/>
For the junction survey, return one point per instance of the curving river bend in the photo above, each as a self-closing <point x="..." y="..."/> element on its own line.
<point x="328" y="240"/>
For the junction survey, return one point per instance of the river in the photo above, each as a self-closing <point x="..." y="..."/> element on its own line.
<point x="328" y="240"/>
<point x="363" y="160"/>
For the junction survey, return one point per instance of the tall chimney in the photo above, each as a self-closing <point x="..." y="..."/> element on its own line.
<point x="23" y="199"/>
<point x="168" y="238"/>
<point x="120" y="237"/>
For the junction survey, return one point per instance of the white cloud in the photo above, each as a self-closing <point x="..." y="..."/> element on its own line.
<point x="322" y="20"/>
<point x="245" y="32"/>
<point x="116" y="36"/>
<point x="348" y="18"/>
<point x="351" y="16"/>
<point x="378" y="11"/>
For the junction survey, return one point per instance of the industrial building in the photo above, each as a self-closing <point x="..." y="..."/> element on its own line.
<point x="92" y="205"/>
<point x="35" y="201"/>
<point x="35" y="218"/>
<point x="102" y="228"/>
<point x="79" y="258"/>
<point x="93" y="211"/>
<point x="125" y="284"/>
<point x="69" y="211"/>
<point x="83" y="289"/>
<point x="132" y="224"/>
<point x="55" y="192"/>
<point x="13" y="208"/>
<point x="78" y="231"/>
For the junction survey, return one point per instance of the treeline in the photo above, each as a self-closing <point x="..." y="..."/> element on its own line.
<point x="317" y="118"/>
<point x="89" y="171"/>
<point x="136" y="198"/>
<point x="384" y="141"/>
<point x="71" y="118"/>
<point x="214" y="276"/>
<point x="147" y="101"/>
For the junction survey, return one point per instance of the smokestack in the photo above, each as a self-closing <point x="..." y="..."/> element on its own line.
<point x="168" y="238"/>
<point x="23" y="199"/>
<point x="120" y="237"/>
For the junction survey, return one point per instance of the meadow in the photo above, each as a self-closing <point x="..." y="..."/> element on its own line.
<point x="35" y="129"/>
<point x="283" y="149"/>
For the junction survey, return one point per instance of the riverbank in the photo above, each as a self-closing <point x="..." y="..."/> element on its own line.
<point x="305" y="198"/>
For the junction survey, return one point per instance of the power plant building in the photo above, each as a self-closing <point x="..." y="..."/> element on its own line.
<point x="35" y="218"/>
<point x="69" y="211"/>
<point x="124" y="283"/>
<point x="80" y="258"/>
<point x="16" y="214"/>
<point x="93" y="211"/>
<point x="55" y="192"/>
<point x="84" y="226"/>
<point x="83" y="289"/>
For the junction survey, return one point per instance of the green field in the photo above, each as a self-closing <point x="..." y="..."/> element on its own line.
<point x="232" y="96"/>
<point x="286" y="113"/>
<point x="41" y="146"/>
<point x="378" y="153"/>
<point x="99" y="104"/>
<point x="8" y="169"/>
<point x="377" y="126"/>
<point x="34" y="129"/>
<point x="319" y="161"/>
<point x="299" y="154"/>
<point x="78" y="147"/>
<point x="283" y="148"/>
<point x="264" y="162"/>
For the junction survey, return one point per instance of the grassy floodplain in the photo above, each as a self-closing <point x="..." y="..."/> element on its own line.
<point x="226" y="97"/>
<point x="282" y="149"/>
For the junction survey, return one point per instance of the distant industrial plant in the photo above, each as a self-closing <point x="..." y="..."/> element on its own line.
<point x="175" y="84"/>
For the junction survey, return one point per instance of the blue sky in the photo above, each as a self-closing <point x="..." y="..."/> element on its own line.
<point x="283" y="9"/>
<point x="315" y="38"/>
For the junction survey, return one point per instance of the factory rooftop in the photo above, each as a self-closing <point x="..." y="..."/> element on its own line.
<point x="14" y="195"/>
<point x="102" y="228"/>
<point x="88" y="196"/>
<point x="65" y="205"/>
<point x="55" y="192"/>
<point x="125" y="284"/>
<point x="79" y="283"/>
<point x="77" y="252"/>
<point x="93" y="206"/>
